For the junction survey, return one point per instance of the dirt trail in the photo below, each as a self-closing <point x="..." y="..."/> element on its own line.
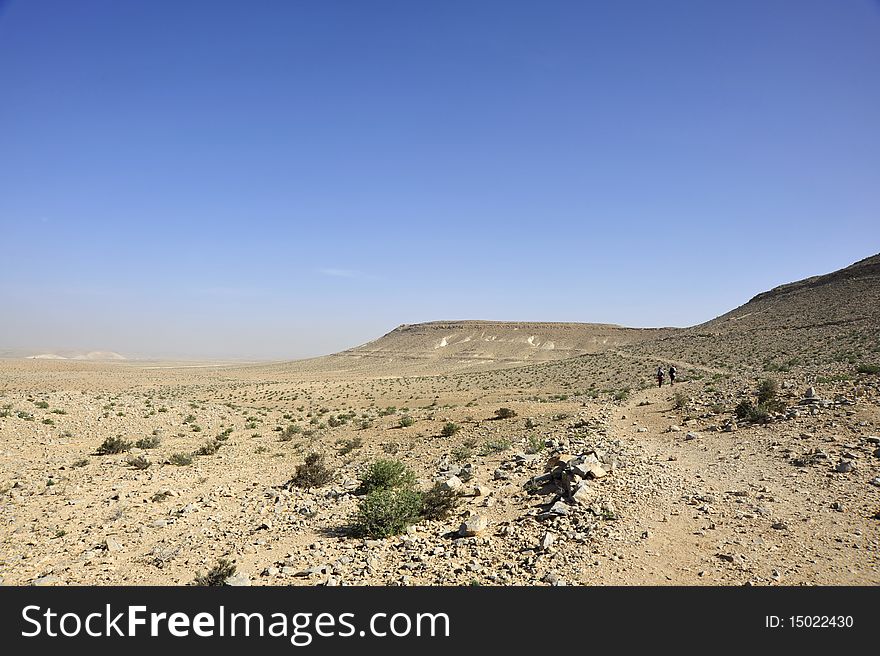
<point x="681" y="364"/>
<point x="736" y="512"/>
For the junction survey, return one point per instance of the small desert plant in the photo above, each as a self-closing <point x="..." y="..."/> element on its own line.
<point x="147" y="442"/>
<point x="530" y="424"/>
<point x="622" y="395"/>
<point x="42" y="404"/>
<point x="750" y="412"/>
<point x="495" y="446"/>
<point x="312" y="473"/>
<point x="290" y="432"/>
<point x="350" y="445"/>
<point x="385" y="512"/>
<point x="767" y="390"/>
<point x="440" y="502"/>
<point x="217" y="575"/>
<point x="181" y="459"/>
<point x="679" y="400"/>
<point x="82" y="462"/>
<point x="462" y="453"/>
<point x="406" y="421"/>
<point x="450" y="429"/>
<point x="535" y="444"/>
<point x="385" y="475"/>
<point x="138" y="462"/>
<point x="209" y="448"/>
<point x="869" y="369"/>
<point x="113" y="445"/>
<point x="505" y="413"/>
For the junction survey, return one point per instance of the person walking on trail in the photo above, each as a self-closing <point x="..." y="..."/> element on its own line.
<point x="672" y="374"/>
<point x="660" y="376"/>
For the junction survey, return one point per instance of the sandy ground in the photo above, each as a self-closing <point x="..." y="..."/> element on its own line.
<point x="762" y="505"/>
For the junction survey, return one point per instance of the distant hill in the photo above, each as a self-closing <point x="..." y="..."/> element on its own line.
<point x="501" y="340"/>
<point x="93" y="356"/>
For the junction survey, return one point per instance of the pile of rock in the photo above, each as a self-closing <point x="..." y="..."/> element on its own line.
<point x="447" y="470"/>
<point x="811" y="399"/>
<point x="568" y="478"/>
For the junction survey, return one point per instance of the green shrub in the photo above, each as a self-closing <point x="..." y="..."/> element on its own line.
<point x="450" y="429"/>
<point x="440" y="502"/>
<point x="217" y="575"/>
<point x="312" y="473"/>
<point x="385" y="512"/>
<point x="496" y="446"/>
<point x="679" y="400"/>
<point x="535" y="444"/>
<point x="208" y="448"/>
<point x="749" y="411"/>
<point x="505" y="413"/>
<point x="406" y="421"/>
<point x="767" y="390"/>
<point x="385" y="475"/>
<point x="869" y="369"/>
<point x="622" y="395"/>
<point x="113" y="445"/>
<point x="181" y="459"/>
<point x="42" y="404"/>
<point x="462" y="453"/>
<point x="147" y="442"/>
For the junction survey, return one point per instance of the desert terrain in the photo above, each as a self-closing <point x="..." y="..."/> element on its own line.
<point x="568" y="465"/>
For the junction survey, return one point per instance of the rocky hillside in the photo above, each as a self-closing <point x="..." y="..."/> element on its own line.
<point x="827" y="319"/>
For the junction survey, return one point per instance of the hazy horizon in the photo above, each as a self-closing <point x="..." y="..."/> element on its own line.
<point x="209" y="180"/>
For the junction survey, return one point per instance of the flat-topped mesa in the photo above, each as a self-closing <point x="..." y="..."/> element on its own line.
<point x="502" y="340"/>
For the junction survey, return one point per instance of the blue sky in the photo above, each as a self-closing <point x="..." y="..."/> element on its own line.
<point x="285" y="179"/>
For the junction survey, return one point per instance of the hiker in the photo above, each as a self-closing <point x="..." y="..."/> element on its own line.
<point x="672" y="374"/>
<point x="660" y="376"/>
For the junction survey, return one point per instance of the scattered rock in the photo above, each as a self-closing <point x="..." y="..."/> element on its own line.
<point x="112" y="545"/>
<point x="845" y="466"/>
<point x="474" y="525"/>
<point x="239" y="579"/>
<point x="451" y="483"/>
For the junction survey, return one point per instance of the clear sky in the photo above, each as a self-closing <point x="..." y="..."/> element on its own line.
<point x="285" y="179"/>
